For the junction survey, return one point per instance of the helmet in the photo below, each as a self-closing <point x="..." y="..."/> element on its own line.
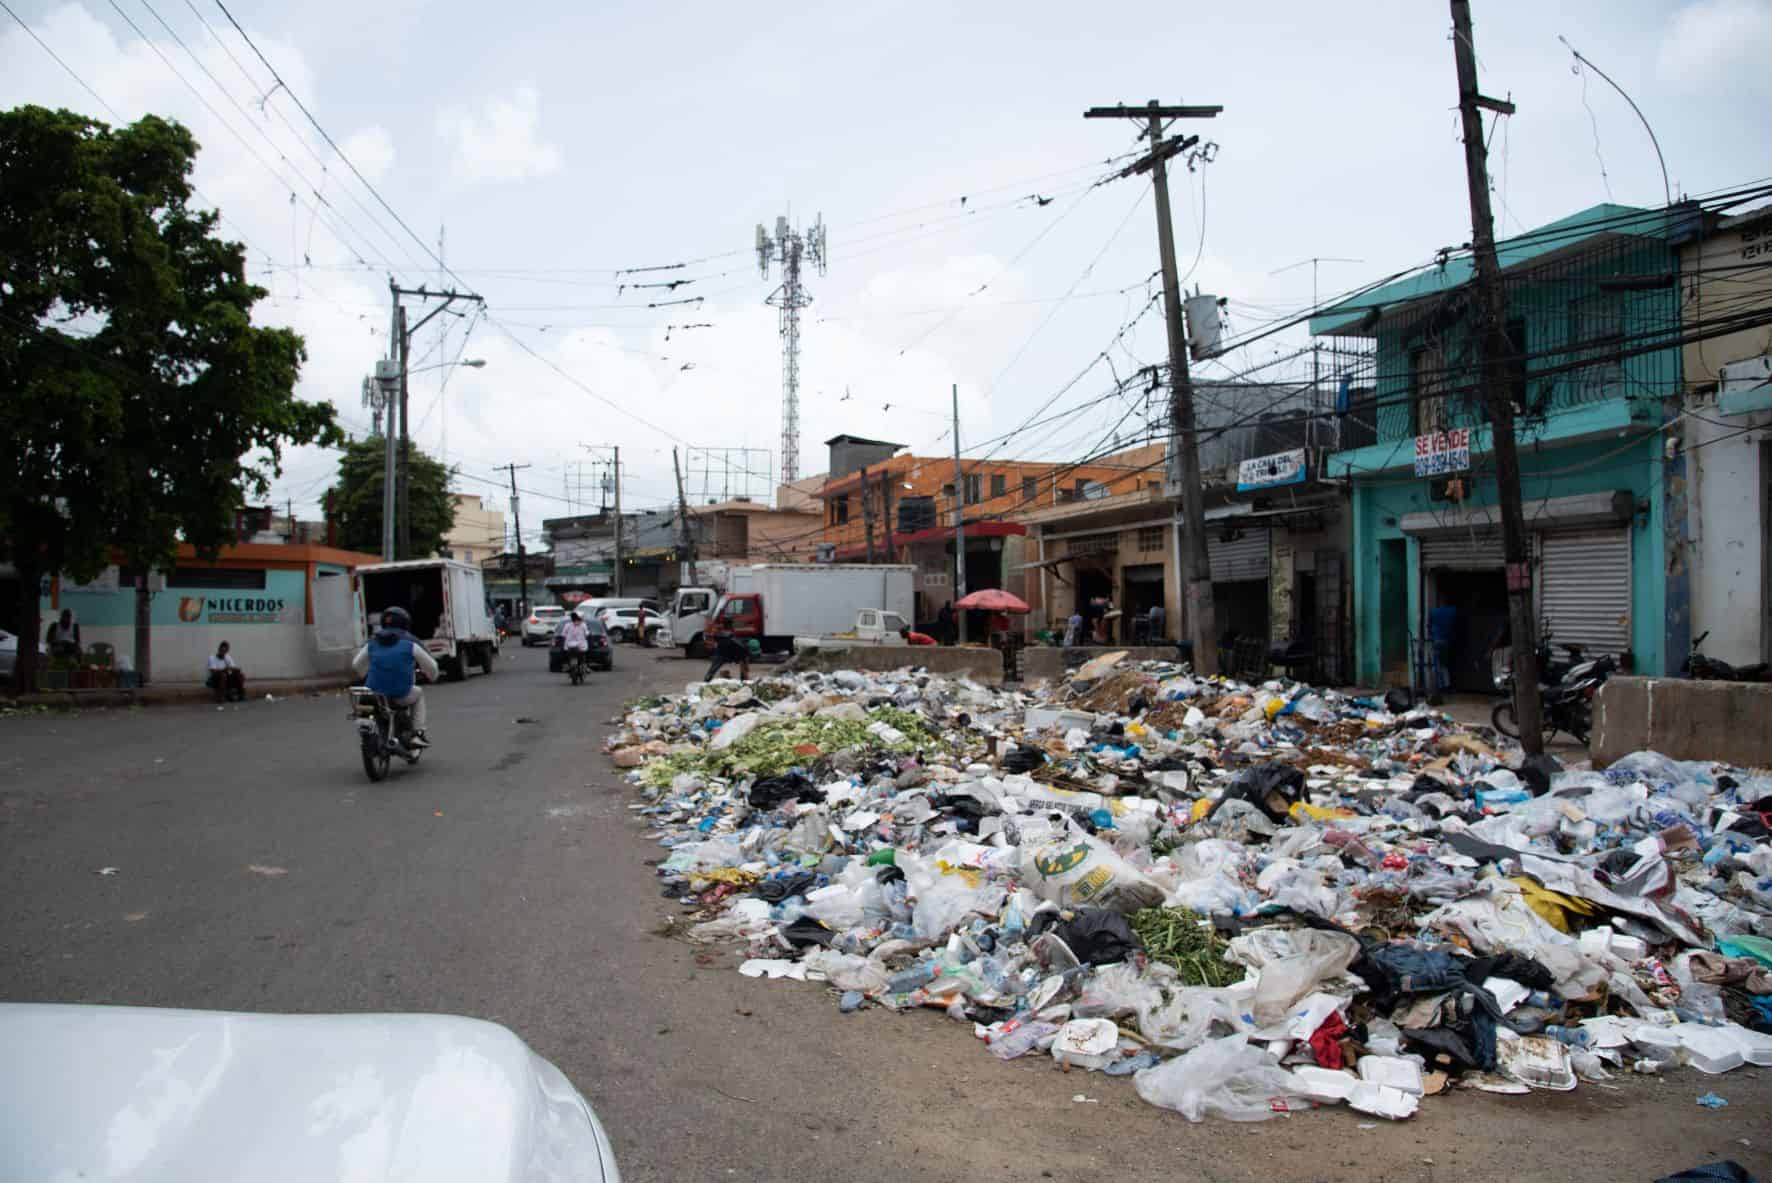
<point x="396" y="618"/>
<point x="575" y="615"/>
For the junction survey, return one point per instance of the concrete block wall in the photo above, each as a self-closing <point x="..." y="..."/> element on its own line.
<point x="1043" y="663"/>
<point x="984" y="666"/>
<point x="1684" y="720"/>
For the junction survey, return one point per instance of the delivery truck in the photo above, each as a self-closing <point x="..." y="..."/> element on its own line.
<point x="447" y="602"/>
<point x="776" y="602"/>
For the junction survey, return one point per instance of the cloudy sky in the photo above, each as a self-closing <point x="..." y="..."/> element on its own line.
<point x="548" y="148"/>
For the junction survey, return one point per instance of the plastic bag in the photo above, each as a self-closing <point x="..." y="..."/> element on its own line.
<point x="733" y="730"/>
<point x="1184" y="1019"/>
<point x="1080" y="870"/>
<point x="1649" y="766"/>
<point x="940" y="901"/>
<point x="1292" y="963"/>
<point x="1225" y="1078"/>
<point x="846" y="971"/>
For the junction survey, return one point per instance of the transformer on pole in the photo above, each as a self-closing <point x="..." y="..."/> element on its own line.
<point x="789" y="247"/>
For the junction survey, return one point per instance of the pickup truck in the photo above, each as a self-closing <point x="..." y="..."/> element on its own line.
<point x="873" y="626"/>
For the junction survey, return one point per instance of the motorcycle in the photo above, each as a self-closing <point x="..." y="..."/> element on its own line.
<point x="1565" y="705"/>
<point x="384" y="730"/>
<point x="1711" y="669"/>
<point x="575" y="666"/>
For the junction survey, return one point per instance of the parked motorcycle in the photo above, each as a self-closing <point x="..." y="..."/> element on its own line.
<point x="1565" y="705"/>
<point x="1710" y="669"/>
<point x="384" y="730"/>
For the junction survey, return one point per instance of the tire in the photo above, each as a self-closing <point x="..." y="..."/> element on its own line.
<point x="617" y="636"/>
<point x="488" y="654"/>
<point x="375" y="759"/>
<point x="1504" y="719"/>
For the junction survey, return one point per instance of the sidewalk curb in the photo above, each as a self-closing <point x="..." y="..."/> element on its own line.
<point x="175" y="692"/>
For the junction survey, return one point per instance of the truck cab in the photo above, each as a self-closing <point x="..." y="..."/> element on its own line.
<point x="688" y="618"/>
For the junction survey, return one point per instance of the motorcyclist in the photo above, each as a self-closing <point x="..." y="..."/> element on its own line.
<point x="388" y="660"/>
<point x="575" y="637"/>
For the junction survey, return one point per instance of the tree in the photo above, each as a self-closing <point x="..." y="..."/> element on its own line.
<point x="141" y="404"/>
<point x="357" y="498"/>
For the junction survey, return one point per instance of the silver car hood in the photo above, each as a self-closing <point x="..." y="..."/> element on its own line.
<point x="131" y="1093"/>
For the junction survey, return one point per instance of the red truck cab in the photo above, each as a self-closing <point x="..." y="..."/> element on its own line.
<point x="740" y="615"/>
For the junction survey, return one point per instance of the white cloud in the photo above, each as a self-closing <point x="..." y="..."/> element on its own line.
<point x="371" y="149"/>
<point x="498" y="141"/>
<point x="1708" y="41"/>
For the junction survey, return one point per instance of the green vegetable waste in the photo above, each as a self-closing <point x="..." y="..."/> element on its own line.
<point x="769" y="750"/>
<point x="1182" y="938"/>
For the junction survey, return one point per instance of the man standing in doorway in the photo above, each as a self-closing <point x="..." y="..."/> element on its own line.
<point x="1442" y="630"/>
<point x="1159" y="622"/>
<point x="944" y="622"/>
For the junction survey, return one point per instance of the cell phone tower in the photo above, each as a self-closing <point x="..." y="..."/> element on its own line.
<point x="789" y="247"/>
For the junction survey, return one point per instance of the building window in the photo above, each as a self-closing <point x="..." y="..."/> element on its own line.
<point x="839" y="510"/>
<point x="974" y="488"/>
<point x="1150" y="538"/>
<point x="216" y="578"/>
<point x="1427" y="409"/>
<point x="999" y="485"/>
<point x="947" y="490"/>
<point x="1596" y="328"/>
<point x="1030" y="488"/>
<point x="1077" y="489"/>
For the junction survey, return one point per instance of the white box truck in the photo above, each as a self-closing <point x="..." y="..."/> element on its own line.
<point x="776" y="602"/>
<point x="447" y="602"/>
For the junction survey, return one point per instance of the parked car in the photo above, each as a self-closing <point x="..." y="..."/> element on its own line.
<point x="624" y="623"/>
<point x="600" y="657"/>
<point x="541" y="623"/>
<point x="211" y="1095"/>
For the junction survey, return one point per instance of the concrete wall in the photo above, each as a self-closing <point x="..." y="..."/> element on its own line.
<point x="981" y="665"/>
<point x="1726" y="503"/>
<point x="1728" y="721"/>
<point x="1047" y="662"/>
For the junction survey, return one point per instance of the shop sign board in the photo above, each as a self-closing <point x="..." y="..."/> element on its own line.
<point x="1271" y="472"/>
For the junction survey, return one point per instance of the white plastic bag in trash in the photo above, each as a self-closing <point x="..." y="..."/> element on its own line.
<point x="1077" y="870"/>
<point x="940" y="901"/>
<point x="1086" y="1043"/>
<point x="846" y="971"/>
<point x="734" y="730"/>
<point x="1225" y="1078"/>
<point x="1292" y="963"/>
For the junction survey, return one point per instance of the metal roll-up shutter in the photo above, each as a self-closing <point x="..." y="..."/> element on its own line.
<point x="1242" y="558"/>
<point x="1462" y="550"/>
<point x="1584" y="588"/>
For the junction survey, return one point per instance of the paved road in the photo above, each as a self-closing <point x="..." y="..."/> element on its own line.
<point x="503" y="877"/>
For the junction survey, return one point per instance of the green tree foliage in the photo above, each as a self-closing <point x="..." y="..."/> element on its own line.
<point x="141" y="404"/>
<point x="356" y="499"/>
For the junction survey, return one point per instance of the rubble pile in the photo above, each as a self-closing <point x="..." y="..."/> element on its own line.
<point x="1252" y="898"/>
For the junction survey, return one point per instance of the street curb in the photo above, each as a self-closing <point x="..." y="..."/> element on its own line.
<point x="173" y="693"/>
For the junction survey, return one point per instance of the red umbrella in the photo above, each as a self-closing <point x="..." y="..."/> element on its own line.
<point x="992" y="599"/>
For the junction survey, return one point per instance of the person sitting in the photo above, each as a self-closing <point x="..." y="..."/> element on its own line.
<point x="575" y="638"/>
<point x="388" y="660"/>
<point x="63" y="637"/>
<point x="728" y="649"/>
<point x="915" y="638"/>
<point x="225" y="677"/>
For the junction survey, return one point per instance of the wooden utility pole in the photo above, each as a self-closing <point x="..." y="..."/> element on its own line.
<point x="616" y="578"/>
<point x="688" y="531"/>
<point x="959" y="524"/>
<point x="1492" y="354"/>
<point x="867" y="511"/>
<point x="401" y="352"/>
<point x="522" y="562"/>
<point x="1196" y="568"/>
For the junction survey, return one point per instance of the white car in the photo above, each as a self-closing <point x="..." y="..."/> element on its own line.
<point x="9" y="654"/>
<point x="114" y="1092"/>
<point x="624" y="623"/>
<point x="542" y="623"/>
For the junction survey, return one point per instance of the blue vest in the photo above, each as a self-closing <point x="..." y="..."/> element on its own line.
<point x="390" y="667"/>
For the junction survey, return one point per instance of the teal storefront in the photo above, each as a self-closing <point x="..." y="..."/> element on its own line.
<point x="1588" y="300"/>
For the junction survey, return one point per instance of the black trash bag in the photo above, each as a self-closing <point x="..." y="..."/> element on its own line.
<point x="779" y="889"/>
<point x="1022" y="758"/>
<point x="807" y="931"/>
<point x="1537" y="771"/>
<point x="1524" y="970"/>
<point x="1398" y="699"/>
<point x="1271" y="788"/>
<point x="1726" y="1171"/>
<point x="1098" y="936"/>
<point x="771" y="791"/>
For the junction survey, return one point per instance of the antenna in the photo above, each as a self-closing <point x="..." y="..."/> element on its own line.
<point x="790" y="247"/>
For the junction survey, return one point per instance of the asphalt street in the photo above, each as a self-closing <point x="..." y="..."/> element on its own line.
<point x="238" y="859"/>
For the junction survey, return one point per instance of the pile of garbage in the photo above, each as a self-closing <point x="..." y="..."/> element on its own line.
<point x="1252" y="899"/>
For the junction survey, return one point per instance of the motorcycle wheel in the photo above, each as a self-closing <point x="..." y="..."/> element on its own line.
<point x="375" y="758"/>
<point x="1503" y="719"/>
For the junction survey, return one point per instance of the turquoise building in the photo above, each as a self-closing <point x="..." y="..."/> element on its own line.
<point x="1593" y="321"/>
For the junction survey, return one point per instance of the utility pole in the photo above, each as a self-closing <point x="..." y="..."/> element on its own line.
<point x="400" y="351"/>
<point x="1196" y="568"/>
<point x="867" y="511"/>
<point x="886" y="504"/>
<point x="616" y="578"/>
<point x="683" y="513"/>
<point x="1492" y="352"/>
<point x="522" y="561"/>
<point x="959" y="524"/>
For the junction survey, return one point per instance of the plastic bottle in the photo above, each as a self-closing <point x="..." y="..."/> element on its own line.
<point x="1573" y="1036"/>
<point x="914" y="978"/>
<point x="1019" y="1038"/>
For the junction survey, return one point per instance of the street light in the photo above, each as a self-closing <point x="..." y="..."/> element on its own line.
<point x="475" y="362"/>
